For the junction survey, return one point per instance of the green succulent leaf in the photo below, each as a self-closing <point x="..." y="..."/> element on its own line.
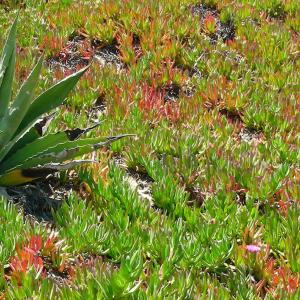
<point x="68" y="150"/>
<point x="40" y="145"/>
<point x="6" y="86"/>
<point x="15" y="114"/>
<point x="21" y="176"/>
<point x="51" y="98"/>
<point x="8" y="49"/>
<point x="53" y="156"/>
<point x="34" y="132"/>
<point x="25" y="152"/>
<point x="7" y="67"/>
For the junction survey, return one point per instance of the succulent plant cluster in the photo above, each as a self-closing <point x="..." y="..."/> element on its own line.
<point x="204" y="204"/>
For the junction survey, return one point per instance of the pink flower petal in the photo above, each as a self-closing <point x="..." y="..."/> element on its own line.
<point x="253" y="248"/>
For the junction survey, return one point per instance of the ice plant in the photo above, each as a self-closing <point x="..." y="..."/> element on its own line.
<point x="25" y="153"/>
<point x="26" y="257"/>
<point x="153" y="105"/>
<point x="210" y="24"/>
<point x="37" y="255"/>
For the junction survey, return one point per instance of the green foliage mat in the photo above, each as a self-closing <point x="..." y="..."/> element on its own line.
<point x="204" y="202"/>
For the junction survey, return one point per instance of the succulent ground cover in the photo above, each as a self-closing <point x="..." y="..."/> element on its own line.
<point x="204" y="202"/>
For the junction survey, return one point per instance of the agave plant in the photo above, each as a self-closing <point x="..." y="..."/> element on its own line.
<point x="25" y="152"/>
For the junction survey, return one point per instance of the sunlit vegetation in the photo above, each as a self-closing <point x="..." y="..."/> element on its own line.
<point x="203" y="203"/>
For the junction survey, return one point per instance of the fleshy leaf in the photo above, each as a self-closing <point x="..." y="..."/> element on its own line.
<point x="41" y="145"/>
<point x="15" y="114"/>
<point x="22" y="176"/>
<point x="51" y="98"/>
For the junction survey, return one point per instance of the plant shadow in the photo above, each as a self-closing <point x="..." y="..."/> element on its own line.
<point x="39" y="199"/>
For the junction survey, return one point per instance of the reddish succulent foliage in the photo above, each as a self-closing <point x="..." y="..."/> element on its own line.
<point x="27" y="257"/>
<point x="35" y="254"/>
<point x="271" y="276"/>
<point x="154" y="106"/>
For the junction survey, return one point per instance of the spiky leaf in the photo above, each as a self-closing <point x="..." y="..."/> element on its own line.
<point x="15" y="114"/>
<point x="51" y="98"/>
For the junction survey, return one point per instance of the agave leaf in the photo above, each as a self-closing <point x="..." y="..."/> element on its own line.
<point x="7" y="82"/>
<point x="8" y="49"/>
<point x="25" y="135"/>
<point x="21" y="176"/>
<point x="51" y="98"/>
<point x="4" y="151"/>
<point x="40" y="145"/>
<point x="25" y="154"/>
<point x="13" y="117"/>
<point x="67" y="151"/>
<point x="35" y="132"/>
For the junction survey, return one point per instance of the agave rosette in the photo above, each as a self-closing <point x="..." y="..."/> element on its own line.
<point x="25" y="152"/>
